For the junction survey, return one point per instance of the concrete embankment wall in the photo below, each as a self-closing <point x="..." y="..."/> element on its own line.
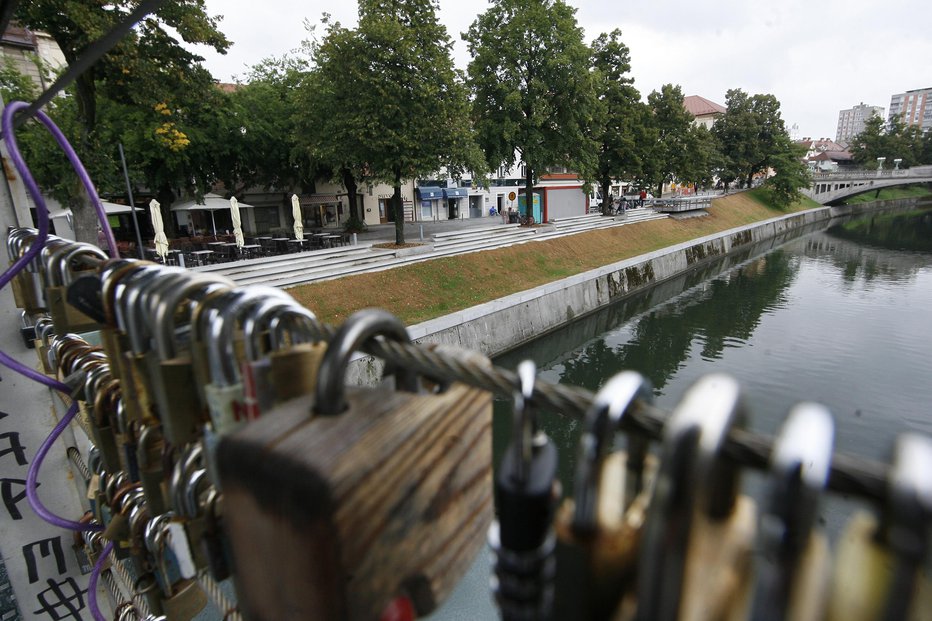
<point x="503" y="324"/>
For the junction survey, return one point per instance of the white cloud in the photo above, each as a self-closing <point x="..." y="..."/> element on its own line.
<point x="815" y="57"/>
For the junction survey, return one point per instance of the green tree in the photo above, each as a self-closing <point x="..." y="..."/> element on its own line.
<point x="749" y="134"/>
<point x="147" y="67"/>
<point x="621" y="124"/>
<point x="532" y="90"/>
<point x="671" y="154"/>
<point x="326" y="115"/>
<point x="410" y="100"/>
<point x="870" y="144"/>
<point x="790" y="172"/>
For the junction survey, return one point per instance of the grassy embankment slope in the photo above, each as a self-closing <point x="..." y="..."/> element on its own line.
<point x="434" y="288"/>
<point x="886" y="194"/>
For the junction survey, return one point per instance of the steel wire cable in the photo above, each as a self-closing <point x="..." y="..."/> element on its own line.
<point x="216" y="595"/>
<point x="854" y="475"/>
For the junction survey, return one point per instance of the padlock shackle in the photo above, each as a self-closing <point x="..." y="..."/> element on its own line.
<point x="329" y="395"/>
<point x="296" y="321"/>
<point x="525" y="420"/>
<point x="256" y="323"/>
<point x="64" y="259"/>
<point x="602" y="420"/>
<point x="111" y="274"/>
<point x="47" y="258"/>
<point x="126" y="290"/>
<point x="799" y="469"/>
<point x="162" y="312"/>
<point x="221" y="355"/>
<point x="693" y="477"/>
<point x="139" y="307"/>
<point x="191" y="458"/>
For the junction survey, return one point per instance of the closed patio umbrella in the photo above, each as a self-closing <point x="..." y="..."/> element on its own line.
<point x="161" y="241"/>
<point x="298" y="219"/>
<point x="237" y="223"/>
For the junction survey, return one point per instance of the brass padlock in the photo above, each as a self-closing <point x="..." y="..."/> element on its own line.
<point x="171" y="373"/>
<point x="149" y="450"/>
<point x="59" y="274"/>
<point x="695" y="558"/>
<point x="599" y="528"/>
<point x="345" y="501"/>
<point x="183" y="597"/>
<point x="881" y="569"/>
<point x="135" y="382"/>
<point x="793" y="568"/>
<point x="292" y="358"/>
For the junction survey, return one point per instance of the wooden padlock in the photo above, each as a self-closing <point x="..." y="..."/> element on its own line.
<point x="341" y="502"/>
<point x="695" y="557"/>
<point x="599" y="528"/>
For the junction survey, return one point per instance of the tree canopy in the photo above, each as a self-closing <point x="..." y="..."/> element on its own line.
<point x="891" y="141"/>
<point x="409" y="105"/>
<point x="622" y="124"/>
<point x="750" y="135"/>
<point x="532" y="92"/>
<point x="148" y="90"/>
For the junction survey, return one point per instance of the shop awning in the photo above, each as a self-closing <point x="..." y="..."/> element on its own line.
<point x="430" y="193"/>
<point x="455" y="193"/>
<point x="319" y="199"/>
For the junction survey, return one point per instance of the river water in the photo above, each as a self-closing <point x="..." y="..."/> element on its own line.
<point x="841" y="316"/>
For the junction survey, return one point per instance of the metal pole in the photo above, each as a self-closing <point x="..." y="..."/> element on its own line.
<point x="132" y="203"/>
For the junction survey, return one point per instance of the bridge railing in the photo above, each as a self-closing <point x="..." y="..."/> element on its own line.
<point x="873" y="174"/>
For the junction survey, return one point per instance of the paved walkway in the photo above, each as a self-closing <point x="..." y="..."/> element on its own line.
<point x="441" y="238"/>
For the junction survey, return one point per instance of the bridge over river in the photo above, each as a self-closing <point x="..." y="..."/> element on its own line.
<point x="830" y="187"/>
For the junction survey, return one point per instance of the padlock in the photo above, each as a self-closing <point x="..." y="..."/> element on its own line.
<point x="188" y="481"/>
<point x="149" y="449"/>
<point x="169" y="361"/>
<point x="695" y="557"/>
<point x="881" y="568"/>
<point x="599" y="528"/>
<point x="527" y="491"/>
<point x="224" y="393"/>
<point x="215" y="545"/>
<point x="44" y="330"/>
<point x="113" y="340"/>
<point x="59" y="274"/>
<point x="28" y="290"/>
<point x="136" y="388"/>
<point x="342" y="502"/>
<point x="27" y="330"/>
<point x="793" y="569"/>
<point x="105" y="399"/>
<point x="279" y="371"/>
<point x="183" y="597"/>
<point x="143" y="562"/>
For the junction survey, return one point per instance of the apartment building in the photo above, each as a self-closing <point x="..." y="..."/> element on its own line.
<point x="913" y="108"/>
<point x="851" y="121"/>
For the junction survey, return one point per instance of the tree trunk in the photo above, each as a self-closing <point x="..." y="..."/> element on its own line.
<point x="529" y="190"/>
<point x="750" y="179"/>
<point x="166" y="197"/>
<point x="660" y="189"/>
<point x="349" y="182"/>
<point x="399" y="210"/>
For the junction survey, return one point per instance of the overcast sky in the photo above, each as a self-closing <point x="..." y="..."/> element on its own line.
<point x="816" y="56"/>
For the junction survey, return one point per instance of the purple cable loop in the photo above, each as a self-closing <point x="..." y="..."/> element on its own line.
<point x="92" y="583"/>
<point x="35" y="248"/>
<point x="32" y="475"/>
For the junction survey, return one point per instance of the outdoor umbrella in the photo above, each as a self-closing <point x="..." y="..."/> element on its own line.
<point x="161" y="242"/>
<point x="211" y="202"/>
<point x="237" y="223"/>
<point x="296" y="214"/>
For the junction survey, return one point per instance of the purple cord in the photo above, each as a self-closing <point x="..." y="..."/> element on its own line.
<point x="33" y="473"/>
<point x="41" y="209"/>
<point x="92" y="583"/>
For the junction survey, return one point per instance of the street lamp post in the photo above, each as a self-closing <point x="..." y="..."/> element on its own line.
<point x="896" y="163"/>
<point x="880" y="161"/>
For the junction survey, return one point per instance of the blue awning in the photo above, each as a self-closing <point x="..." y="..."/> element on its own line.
<point x="430" y="193"/>
<point x="454" y="193"/>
